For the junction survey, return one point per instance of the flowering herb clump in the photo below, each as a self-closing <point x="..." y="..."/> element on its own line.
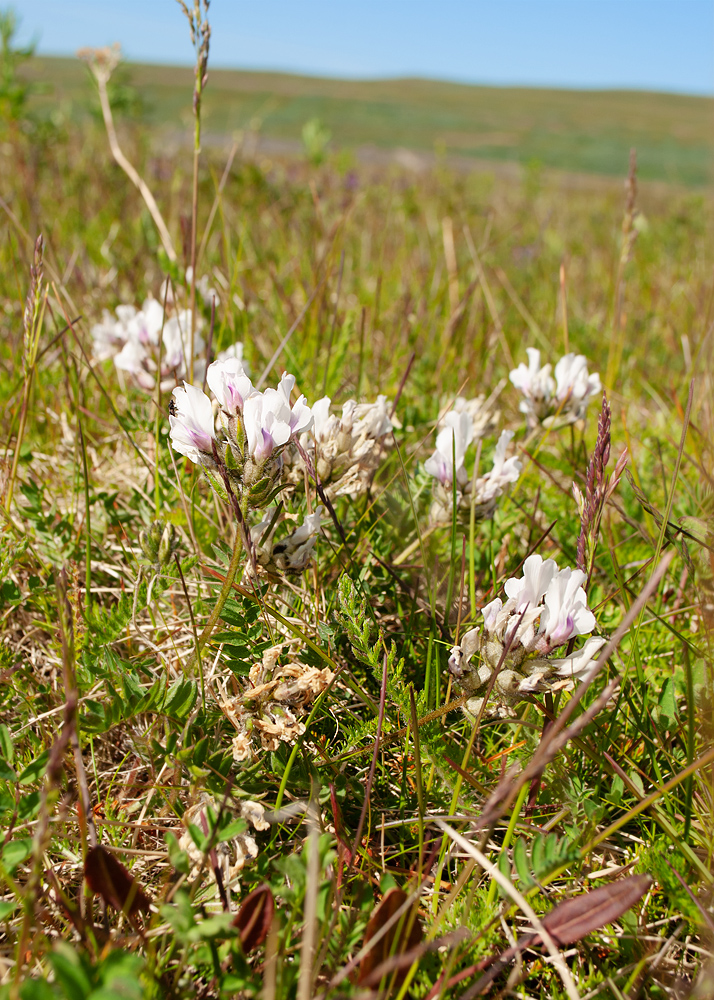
<point x="544" y="609"/>
<point x="554" y="399"/>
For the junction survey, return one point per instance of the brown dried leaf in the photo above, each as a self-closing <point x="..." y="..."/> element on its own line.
<point x="107" y="877"/>
<point x="254" y="917"/>
<point x="576" y="917"/>
<point x="404" y="935"/>
<point x="568" y="922"/>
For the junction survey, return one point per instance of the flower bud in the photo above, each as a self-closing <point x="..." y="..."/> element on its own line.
<point x="167" y="545"/>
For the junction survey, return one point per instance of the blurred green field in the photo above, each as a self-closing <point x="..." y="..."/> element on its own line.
<point x="578" y="131"/>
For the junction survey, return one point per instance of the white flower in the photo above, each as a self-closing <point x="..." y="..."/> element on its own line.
<point x="134" y="358"/>
<point x="574" y="386"/>
<point x="177" y="344"/>
<point x="230" y="384"/>
<point x="270" y="421"/>
<point x="300" y="414"/>
<point x="580" y="664"/>
<point x="367" y="420"/>
<point x="324" y="423"/>
<point x="451" y="446"/>
<point x="293" y="552"/>
<point x="545" y="595"/>
<point x="566" y="611"/>
<point x="529" y="590"/>
<point x="536" y="384"/>
<point x="504" y="472"/>
<point x="234" y="351"/>
<point x="564" y="397"/>
<point x="483" y="415"/>
<point x="191" y="419"/>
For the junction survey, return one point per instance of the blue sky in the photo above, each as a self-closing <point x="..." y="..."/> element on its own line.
<point x="640" y="44"/>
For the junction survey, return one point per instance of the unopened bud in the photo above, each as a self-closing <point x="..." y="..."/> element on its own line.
<point x="148" y="546"/>
<point x="167" y="545"/>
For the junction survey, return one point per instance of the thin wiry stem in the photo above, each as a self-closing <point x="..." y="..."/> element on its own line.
<point x="102" y="62"/>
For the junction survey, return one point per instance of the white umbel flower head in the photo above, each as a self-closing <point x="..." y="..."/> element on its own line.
<point x="191" y="420"/>
<point x="545" y="608"/>
<point x="563" y="398"/>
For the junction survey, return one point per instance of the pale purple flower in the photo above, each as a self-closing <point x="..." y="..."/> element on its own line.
<point x="270" y="421"/>
<point x="192" y="428"/>
<point x="230" y="384"/>
<point x="451" y="444"/>
<point x="551" y="598"/>
<point x="566" y="612"/>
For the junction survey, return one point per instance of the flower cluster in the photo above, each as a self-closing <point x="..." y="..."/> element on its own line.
<point x="346" y="451"/>
<point x="253" y="444"/>
<point x="268" y="712"/>
<point x="448" y="464"/>
<point x="544" y="609"/>
<point x="138" y="340"/>
<point x="558" y="398"/>
<point x="255" y="427"/>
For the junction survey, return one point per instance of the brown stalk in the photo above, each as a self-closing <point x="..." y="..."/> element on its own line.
<point x="102" y="63"/>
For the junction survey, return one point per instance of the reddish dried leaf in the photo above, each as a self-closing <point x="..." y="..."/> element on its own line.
<point x="107" y="877"/>
<point x="572" y="920"/>
<point x="404" y="935"/>
<point x="569" y="922"/>
<point x="254" y="917"/>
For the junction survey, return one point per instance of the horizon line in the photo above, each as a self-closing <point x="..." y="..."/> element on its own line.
<point x="417" y="77"/>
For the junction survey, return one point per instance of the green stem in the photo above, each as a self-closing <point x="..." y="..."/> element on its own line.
<point x="491" y="897"/>
<point x="221" y="599"/>
<point x="87" y="521"/>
